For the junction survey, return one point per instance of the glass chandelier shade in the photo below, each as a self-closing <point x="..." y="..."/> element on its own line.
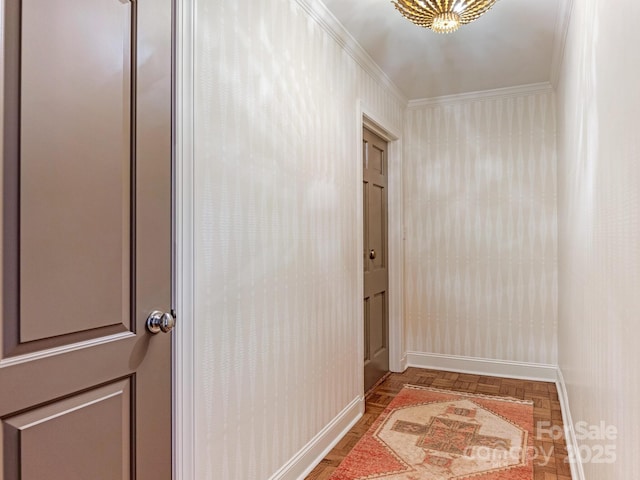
<point x="442" y="16"/>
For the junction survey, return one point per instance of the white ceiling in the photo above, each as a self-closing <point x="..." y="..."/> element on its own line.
<point x="512" y="44"/>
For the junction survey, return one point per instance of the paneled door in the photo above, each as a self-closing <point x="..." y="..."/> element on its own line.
<point x="85" y="387"/>
<point x="376" y="278"/>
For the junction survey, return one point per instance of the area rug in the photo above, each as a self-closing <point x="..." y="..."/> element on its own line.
<point x="431" y="434"/>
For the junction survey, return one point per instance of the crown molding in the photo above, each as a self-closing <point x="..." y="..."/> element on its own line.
<point x="317" y="10"/>
<point x="560" y="39"/>
<point x="529" y="89"/>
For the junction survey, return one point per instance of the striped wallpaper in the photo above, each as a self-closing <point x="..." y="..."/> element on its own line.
<point x="481" y="228"/>
<point x="277" y="324"/>
<point x="277" y="307"/>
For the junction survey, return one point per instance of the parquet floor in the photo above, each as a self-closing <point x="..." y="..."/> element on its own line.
<point x="546" y="408"/>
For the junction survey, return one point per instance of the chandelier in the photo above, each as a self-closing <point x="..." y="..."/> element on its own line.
<point x="442" y="16"/>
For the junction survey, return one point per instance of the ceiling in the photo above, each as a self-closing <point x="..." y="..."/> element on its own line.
<point x="510" y="45"/>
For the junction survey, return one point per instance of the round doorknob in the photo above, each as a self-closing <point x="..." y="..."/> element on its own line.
<point x="372" y="254"/>
<point x="160" y="322"/>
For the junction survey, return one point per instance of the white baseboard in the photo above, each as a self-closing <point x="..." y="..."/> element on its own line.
<point x="313" y="452"/>
<point x="577" y="472"/>
<point x="483" y="366"/>
<point x="403" y="363"/>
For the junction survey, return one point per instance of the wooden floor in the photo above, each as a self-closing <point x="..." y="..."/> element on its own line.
<point x="546" y="409"/>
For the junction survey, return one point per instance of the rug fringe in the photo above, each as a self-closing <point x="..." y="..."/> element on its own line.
<point x="467" y="394"/>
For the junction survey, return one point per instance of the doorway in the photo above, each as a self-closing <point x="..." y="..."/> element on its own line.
<point x="375" y="252"/>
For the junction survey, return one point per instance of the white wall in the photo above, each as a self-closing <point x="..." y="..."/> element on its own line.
<point x="599" y="238"/>
<point x="481" y="227"/>
<point x="277" y="304"/>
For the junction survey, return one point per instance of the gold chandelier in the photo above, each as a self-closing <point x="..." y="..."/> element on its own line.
<point x="442" y="16"/>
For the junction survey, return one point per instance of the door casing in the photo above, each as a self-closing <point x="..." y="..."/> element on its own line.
<point x="184" y="460"/>
<point x="367" y="118"/>
<point x="376" y="280"/>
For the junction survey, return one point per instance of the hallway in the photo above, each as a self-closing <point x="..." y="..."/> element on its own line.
<point x="514" y="237"/>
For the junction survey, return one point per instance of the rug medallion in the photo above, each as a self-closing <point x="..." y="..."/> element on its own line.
<point x="433" y="434"/>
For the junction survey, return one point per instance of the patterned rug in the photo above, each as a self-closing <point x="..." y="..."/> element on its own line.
<point x="431" y="434"/>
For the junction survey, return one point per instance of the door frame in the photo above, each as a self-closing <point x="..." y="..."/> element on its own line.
<point x="367" y="118"/>
<point x="183" y="354"/>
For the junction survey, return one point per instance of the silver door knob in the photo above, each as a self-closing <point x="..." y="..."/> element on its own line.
<point x="372" y="254"/>
<point x="160" y="322"/>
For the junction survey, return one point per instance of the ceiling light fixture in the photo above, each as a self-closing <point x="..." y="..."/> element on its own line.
<point x="442" y="16"/>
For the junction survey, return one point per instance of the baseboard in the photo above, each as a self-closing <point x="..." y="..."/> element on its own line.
<point x="313" y="452"/>
<point x="403" y="363"/>
<point x="483" y="366"/>
<point x="577" y="471"/>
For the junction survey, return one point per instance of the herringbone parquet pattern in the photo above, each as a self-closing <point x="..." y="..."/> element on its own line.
<point x="543" y="394"/>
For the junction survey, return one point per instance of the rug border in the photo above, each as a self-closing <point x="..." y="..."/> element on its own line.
<point x="467" y="394"/>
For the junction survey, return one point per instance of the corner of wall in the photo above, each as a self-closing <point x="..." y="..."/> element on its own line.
<point x="560" y="40"/>
<point x="577" y="472"/>
<point x="301" y="464"/>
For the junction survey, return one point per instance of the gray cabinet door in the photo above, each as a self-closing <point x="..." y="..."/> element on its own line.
<point x="85" y="390"/>
<point x="376" y="277"/>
